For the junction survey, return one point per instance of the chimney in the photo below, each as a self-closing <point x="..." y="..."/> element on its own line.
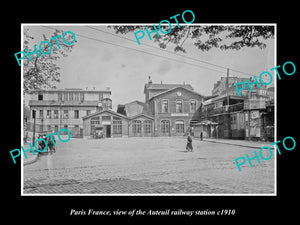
<point x="149" y="80"/>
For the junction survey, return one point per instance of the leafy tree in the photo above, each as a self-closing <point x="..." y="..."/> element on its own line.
<point x="207" y="37"/>
<point x="43" y="72"/>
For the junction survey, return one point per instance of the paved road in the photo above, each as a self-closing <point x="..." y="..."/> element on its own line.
<point x="146" y="166"/>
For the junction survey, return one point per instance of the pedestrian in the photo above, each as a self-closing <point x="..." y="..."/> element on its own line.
<point x="189" y="146"/>
<point x="201" y="136"/>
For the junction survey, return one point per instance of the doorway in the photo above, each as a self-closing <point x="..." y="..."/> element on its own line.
<point x="108" y="130"/>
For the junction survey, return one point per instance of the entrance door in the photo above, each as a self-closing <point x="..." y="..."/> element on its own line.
<point x="165" y="127"/>
<point x="108" y="130"/>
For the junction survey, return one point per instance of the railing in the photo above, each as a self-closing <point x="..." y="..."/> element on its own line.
<point x="224" y="109"/>
<point x="255" y="104"/>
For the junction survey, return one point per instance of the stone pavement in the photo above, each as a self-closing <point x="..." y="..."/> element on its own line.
<point x="31" y="158"/>
<point x="146" y="166"/>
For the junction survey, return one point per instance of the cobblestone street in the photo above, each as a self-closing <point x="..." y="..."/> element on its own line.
<point x="147" y="166"/>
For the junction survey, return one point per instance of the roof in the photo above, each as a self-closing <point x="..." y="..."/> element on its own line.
<point x="105" y="111"/>
<point x="61" y="103"/>
<point x="71" y="90"/>
<point x="205" y="123"/>
<point x="213" y="100"/>
<point x="173" y="89"/>
<point x="116" y="114"/>
<point x="142" y="114"/>
<point x="137" y="107"/>
<point x="166" y="86"/>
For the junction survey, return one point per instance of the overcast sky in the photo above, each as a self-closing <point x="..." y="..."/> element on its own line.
<point x="125" y="71"/>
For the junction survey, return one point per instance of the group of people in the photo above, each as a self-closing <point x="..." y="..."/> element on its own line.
<point x="41" y="144"/>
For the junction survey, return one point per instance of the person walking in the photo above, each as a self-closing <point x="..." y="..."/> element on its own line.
<point x="189" y="146"/>
<point x="201" y="136"/>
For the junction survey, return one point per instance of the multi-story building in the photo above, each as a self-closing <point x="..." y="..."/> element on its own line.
<point x="226" y="115"/>
<point x="64" y="108"/>
<point x="173" y="107"/>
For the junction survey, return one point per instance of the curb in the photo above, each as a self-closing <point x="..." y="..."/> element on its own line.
<point x="220" y="142"/>
<point x="246" y="146"/>
<point x="33" y="160"/>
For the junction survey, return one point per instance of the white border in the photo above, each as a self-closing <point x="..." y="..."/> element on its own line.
<point x="133" y="24"/>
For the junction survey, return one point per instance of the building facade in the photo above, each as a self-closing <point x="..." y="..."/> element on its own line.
<point x="64" y="108"/>
<point x="173" y="110"/>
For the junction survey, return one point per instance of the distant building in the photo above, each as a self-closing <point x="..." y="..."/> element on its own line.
<point x="228" y="116"/>
<point x="64" y="108"/>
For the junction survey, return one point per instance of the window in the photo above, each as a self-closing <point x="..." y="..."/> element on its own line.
<point x="40" y="97"/>
<point x="56" y="129"/>
<point x="136" y="126"/>
<point x="55" y="114"/>
<point x="70" y="96"/>
<point x="147" y="126"/>
<point x="33" y="113"/>
<point x="93" y="122"/>
<point x="76" y="114"/>
<point x="66" y="96"/>
<point x="59" y="96"/>
<point x="179" y="125"/>
<point x="48" y="114"/>
<point x="76" y="96"/>
<point x="100" y="97"/>
<point x="164" y="106"/>
<point x="165" y="126"/>
<point x="193" y="106"/>
<point x="41" y="114"/>
<point x="117" y="126"/>
<point x="179" y="106"/>
<point x="66" y="114"/>
<point x="88" y="112"/>
<point x="81" y="97"/>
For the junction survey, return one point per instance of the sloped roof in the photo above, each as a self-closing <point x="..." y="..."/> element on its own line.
<point x="137" y="107"/>
<point x="141" y="114"/>
<point x="166" y="86"/>
<point x="173" y="89"/>
<point x="205" y="123"/>
<point x="105" y="111"/>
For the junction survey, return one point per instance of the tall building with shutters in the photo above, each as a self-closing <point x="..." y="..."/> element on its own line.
<point x="64" y="108"/>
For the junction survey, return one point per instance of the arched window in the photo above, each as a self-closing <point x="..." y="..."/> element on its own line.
<point x="179" y="125"/>
<point x="179" y="106"/>
<point x="165" y="126"/>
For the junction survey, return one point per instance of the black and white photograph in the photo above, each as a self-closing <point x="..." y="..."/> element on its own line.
<point x="176" y="109"/>
<point x="133" y="113"/>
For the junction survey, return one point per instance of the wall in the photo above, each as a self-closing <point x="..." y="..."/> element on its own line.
<point x="186" y="115"/>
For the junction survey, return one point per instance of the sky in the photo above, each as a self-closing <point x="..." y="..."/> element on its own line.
<point x="95" y="64"/>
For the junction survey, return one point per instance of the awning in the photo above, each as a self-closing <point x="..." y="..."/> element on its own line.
<point x="205" y="123"/>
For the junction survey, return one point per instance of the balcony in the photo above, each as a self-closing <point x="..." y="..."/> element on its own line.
<point x="255" y="104"/>
<point x="224" y="109"/>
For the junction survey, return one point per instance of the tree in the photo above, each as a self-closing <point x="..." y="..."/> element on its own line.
<point x="207" y="37"/>
<point x="43" y="72"/>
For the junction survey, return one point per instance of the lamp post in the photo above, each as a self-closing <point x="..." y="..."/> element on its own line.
<point x="33" y="115"/>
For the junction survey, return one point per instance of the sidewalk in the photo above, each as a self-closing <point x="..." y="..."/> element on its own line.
<point x="31" y="158"/>
<point x="242" y="143"/>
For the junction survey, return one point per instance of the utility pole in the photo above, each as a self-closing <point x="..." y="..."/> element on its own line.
<point x="227" y="86"/>
<point x="227" y="100"/>
<point x="33" y="115"/>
